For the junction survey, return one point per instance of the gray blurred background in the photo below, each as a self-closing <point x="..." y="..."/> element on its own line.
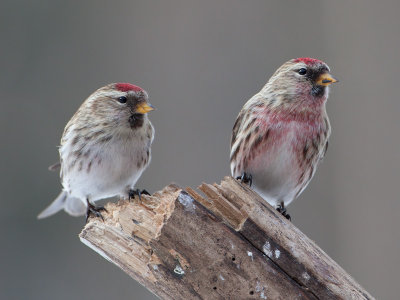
<point x="200" y="61"/>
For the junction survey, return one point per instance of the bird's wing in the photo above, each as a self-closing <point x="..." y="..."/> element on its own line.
<point x="55" y="167"/>
<point x="236" y="127"/>
<point x="325" y="149"/>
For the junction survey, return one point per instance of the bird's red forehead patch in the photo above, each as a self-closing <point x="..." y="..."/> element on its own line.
<point x="308" y="60"/>
<point x="126" y="87"/>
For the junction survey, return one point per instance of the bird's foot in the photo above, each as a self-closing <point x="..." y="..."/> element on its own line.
<point x="282" y="209"/>
<point x="95" y="211"/>
<point x="246" y="178"/>
<point x="132" y="193"/>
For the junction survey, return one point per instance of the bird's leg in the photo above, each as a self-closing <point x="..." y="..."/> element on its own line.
<point x="282" y="209"/>
<point x="91" y="209"/>
<point x="132" y="193"/>
<point x="246" y="178"/>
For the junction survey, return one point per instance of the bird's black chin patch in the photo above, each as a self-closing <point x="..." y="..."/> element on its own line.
<point x="318" y="91"/>
<point x="136" y="120"/>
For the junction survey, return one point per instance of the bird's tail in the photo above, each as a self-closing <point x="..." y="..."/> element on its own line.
<point x="73" y="206"/>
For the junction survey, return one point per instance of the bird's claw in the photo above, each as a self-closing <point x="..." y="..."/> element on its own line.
<point x="282" y="209"/>
<point x="246" y="178"/>
<point x="132" y="193"/>
<point x="95" y="211"/>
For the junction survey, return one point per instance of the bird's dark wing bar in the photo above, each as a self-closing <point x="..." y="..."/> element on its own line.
<point x="236" y="127"/>
<point x="55" y="167"/>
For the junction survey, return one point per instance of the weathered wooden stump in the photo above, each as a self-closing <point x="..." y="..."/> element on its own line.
<point x="226" y="244"/>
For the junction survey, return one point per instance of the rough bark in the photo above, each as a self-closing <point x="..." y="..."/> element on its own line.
<point x="225" y="244"/>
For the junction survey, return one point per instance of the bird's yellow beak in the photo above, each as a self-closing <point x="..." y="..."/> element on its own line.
<point x="326" y="79"/>
<point x="144" y="107"/>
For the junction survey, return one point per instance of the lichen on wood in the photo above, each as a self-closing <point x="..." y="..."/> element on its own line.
<point x="222" y="242"/>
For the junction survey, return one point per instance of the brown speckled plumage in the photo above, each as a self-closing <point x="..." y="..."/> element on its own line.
<point x="105" y="147"/>
<point x="281" y="133"/>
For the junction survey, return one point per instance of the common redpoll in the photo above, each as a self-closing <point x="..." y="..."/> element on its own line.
<point x="104" y="149"/>
<point x="281" y="133"/>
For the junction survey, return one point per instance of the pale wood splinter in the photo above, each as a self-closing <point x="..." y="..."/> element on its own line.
<point x="225" y="244"/>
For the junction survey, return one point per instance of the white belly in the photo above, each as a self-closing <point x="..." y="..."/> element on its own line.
<point x="108" y="171"/>
<point x="275" y="175"/>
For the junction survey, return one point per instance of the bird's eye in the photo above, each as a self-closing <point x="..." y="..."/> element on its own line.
<point x="303" y="71"/>
<point x="122" y="99"/>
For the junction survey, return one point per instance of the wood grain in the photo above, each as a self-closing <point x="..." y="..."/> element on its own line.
<point x="223" y="242"/>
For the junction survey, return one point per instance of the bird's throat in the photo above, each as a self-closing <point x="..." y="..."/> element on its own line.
<point x="136" y="120"/>
<point x="318" y="91"/>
